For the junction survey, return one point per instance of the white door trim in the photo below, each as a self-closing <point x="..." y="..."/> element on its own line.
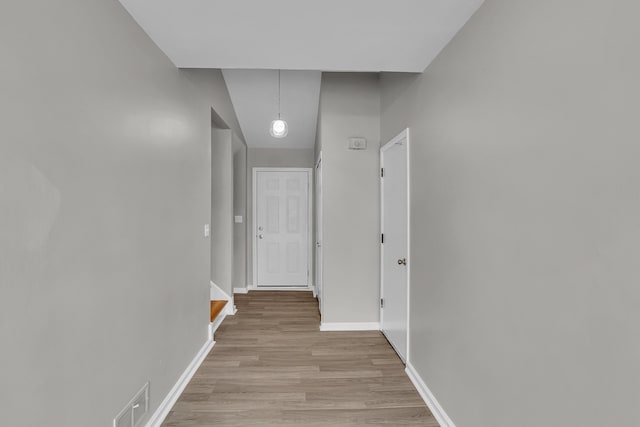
<point x="402" y="136"/>
<point x="254" y="225"/>
<point x="318" y="225"/>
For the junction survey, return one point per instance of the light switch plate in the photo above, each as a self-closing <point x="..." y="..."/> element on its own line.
<point x="238" y="219"/>
<point x="207" y="230"/>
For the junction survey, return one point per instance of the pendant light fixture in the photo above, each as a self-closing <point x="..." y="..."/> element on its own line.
<point x="279" y="128"/>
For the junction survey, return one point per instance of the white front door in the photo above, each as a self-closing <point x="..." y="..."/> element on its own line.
<point x="282" y="227"/>
<point x="395" y="249"/>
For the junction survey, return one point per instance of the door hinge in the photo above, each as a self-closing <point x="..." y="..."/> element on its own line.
<point x="381" y="302"/>
<point x="381" y="172"/>
<point x="382" y="238"/>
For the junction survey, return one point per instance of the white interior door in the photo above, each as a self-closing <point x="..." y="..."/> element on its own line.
<point x="282" y="227"/>
<point x="395" y="244"/>
<point x="319" y="233"/>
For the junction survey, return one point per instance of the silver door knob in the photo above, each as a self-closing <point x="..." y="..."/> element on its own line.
<point x="259" y="236"/>
<point x="402" y="261"/>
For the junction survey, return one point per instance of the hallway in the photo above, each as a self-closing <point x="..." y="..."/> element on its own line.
<point x="271" y="366"/>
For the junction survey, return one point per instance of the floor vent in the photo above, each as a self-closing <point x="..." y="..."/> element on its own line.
<point x="135" y="410"/>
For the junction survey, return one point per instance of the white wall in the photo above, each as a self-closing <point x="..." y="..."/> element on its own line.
<point x="269" y="158"/>
<point x="222" y="207"/>
<point x="104" y="191"/>
<point x="525" y="215"/>
<point x="350" y="107"/>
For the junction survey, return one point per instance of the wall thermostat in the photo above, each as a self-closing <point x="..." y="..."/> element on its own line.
<point x="357" y="144"/>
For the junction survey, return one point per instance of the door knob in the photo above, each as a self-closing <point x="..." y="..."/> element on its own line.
<point x="259" y="236"/>
<point x="402" y="261"/>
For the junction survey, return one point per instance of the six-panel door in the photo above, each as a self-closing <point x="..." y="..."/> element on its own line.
<point x="282" y="228"/>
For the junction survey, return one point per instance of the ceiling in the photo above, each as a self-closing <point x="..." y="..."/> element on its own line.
<point x="254" y="94"/>
<point x="249" y="39"/>
<point x="328" y="35"/>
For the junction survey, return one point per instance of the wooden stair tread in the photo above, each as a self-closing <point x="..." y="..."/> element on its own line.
<point x="216" y="308"/>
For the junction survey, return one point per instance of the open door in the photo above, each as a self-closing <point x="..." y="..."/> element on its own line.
<point x="394" y="289"/>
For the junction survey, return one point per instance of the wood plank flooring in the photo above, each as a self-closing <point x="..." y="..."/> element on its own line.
<point x="271" y="366"/>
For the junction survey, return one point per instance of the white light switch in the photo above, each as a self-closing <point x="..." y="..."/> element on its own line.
<point x="238" y="219"/>
<point x="207" y="230"/>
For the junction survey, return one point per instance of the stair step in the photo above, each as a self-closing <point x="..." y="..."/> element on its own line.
<point x="216" y="308"/>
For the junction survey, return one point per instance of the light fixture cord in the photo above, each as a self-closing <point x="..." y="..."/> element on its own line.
<point x="279" y="94"/>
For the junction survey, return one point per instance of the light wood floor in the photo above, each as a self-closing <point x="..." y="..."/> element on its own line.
<point x="271" y="366"/>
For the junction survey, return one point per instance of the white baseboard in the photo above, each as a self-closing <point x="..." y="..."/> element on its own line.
<point x="353" y="326"/>
<point x="438" y="412"/>
<point x="281" y="288"/>
<point x="218" y="294"/>
<point x="315" y="291"/>
<point x="240" y="290"/>
<point x="163" y="410"/>
<point x="213" y="327"/>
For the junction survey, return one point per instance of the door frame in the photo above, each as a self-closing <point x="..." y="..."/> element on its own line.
<point x="319" y="282"/>
<point x="402" y="136"/>
<point x="254" y="225"/>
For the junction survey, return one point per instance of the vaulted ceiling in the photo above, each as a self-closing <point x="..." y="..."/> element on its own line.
<point x="320" y="35"/>
<point x="254" y="94"/>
